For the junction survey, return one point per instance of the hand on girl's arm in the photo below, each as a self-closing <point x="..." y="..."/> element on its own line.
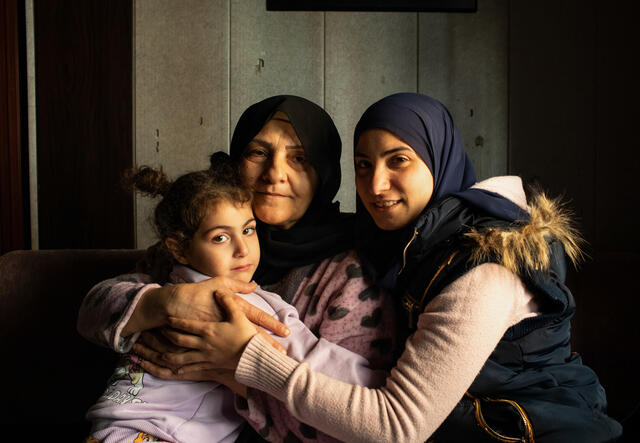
<point x="153" y="346"/>
<point x="200" y="347"/>
<point x="195" y="301"/>
<point x="204" y="373"/>
<point x="188" y="300"/>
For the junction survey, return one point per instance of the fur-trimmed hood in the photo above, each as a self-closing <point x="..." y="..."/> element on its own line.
<point x="525" y="246"/>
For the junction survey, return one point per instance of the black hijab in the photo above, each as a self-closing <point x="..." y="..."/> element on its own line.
<point x="323" y="231"/>
<point x="426" y="125"/>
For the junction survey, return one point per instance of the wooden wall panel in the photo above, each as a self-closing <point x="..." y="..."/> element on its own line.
<point x="573" y="91"/>
<point x="13" y="199"/>
<point x="368" y="56"/>
<point x="84" y="102"/>
<point x="181" y="90"/>
<point x="463" y="63"/>
<point x="609" y="329"/>
<point x="274" y="53"/>
<point x="551" y="92"/>
<point x="617" y="158"/>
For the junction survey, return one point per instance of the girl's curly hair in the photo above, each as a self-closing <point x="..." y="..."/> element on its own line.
<point x="184" y="204"/>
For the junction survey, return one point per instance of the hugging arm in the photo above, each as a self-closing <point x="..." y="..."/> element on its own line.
<point x="116" y="311"/>
<point x="107" y="308"/>
<point x="456" y="334"/>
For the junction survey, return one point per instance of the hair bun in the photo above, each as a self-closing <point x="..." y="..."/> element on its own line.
<point x="149" y="181"/>
<point x="219" y="157"/>
<point x="223" y="166"/>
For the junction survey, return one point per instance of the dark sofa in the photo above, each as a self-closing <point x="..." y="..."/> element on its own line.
<point x="51" y="375"/>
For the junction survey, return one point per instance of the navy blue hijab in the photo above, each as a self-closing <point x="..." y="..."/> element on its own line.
<point x="426" y="125"/>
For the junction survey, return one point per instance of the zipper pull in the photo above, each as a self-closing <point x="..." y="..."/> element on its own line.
<point x="404" y="252"/>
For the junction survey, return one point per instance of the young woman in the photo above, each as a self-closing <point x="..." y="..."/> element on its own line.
<point x="479" y="275"/>
<point x="288" y="151"/>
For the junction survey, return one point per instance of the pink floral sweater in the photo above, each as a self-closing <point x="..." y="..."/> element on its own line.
<point x="333" y="299"/>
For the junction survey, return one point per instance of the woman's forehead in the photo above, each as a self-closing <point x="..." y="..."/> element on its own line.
<point x="380" y="138"/>
<point x="279" y="115"/>
<point x="278" y="130"/>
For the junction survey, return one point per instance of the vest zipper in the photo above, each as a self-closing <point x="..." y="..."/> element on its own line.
<point x="410" y="303"/>
<point x="493" y="433"/>
<point x="404" y="252"/>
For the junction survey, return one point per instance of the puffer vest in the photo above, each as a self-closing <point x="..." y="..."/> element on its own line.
<point x="532" y="387"/>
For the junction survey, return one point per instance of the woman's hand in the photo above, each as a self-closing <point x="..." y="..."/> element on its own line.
<point x="224" y="376"/>
<point x="195" y="301"/>
<point x="153" y="345"/>
<point x="165" y="358"/>
<point x="209" y="344"/>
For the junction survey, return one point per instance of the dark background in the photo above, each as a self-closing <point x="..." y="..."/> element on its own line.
<point x="573" y="99"/>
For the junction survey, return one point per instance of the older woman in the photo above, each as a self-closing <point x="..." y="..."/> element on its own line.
<point x="479" y="277"/>
<point x="288" y="150"/>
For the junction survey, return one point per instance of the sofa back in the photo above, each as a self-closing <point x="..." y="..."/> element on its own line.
<point x="51" y="375"/>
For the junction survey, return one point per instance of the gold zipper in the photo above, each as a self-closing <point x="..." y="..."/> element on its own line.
<point x="442" y="266"/>
<point x="404" y="252"/>
<point x="409" y="303"/>
<point x="503" y="438"/>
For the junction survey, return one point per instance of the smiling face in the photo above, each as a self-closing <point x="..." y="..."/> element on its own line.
<point x="275" y="166"/>
<point x="225" y="244"/>
<point x="392" y="181"/>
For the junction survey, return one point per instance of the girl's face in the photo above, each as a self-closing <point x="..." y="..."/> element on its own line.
<point x="392" y="181"/>
<point x="225" y="244"/>
<point x="276" y="168"/>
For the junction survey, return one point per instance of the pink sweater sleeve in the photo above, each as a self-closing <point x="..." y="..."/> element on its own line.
<point x="456" y="334"/>
<point x="107" y="308"/>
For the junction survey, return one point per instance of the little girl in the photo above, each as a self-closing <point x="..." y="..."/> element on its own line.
<point x="206" y="229"/>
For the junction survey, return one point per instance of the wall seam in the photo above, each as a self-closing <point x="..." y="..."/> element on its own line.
<point x="134" y="150"/>
<point x="31" y="123"/>
<point x="509" y="43"/>
<point x="594" y="110"/>
<point x="418" y="52"/>
<point x="229" y="77"/>
<point x="324" y="60"/>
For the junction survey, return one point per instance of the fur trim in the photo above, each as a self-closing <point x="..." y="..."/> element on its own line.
<point x="525" y="245"/>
